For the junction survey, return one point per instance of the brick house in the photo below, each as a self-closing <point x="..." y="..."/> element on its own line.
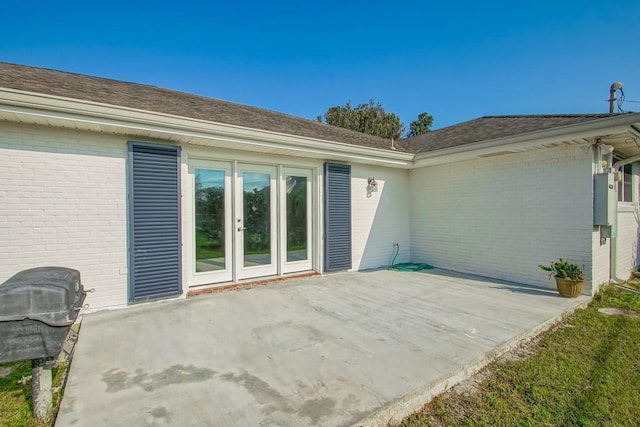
<point x="153" y="193"/>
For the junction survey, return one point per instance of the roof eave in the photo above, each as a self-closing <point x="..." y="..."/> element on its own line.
<point x="516" y="143"/>
<point x="83" y="114"/>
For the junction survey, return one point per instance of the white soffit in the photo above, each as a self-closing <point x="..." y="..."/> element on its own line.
<point x="80" y="115"/>
<point x="45" y="110"/>
<point x="579" y="134"/>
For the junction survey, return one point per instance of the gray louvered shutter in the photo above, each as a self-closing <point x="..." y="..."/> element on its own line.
<point x="154" y="203"/>
<point x="337" y="218"/>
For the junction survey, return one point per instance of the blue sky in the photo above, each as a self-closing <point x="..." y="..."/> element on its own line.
<point x="454" y="60"/>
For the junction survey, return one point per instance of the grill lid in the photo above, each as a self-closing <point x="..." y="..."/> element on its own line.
<point x="52" y="295"/>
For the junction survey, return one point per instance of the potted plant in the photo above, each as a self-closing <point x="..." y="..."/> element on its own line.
<point x="569" y="277"/>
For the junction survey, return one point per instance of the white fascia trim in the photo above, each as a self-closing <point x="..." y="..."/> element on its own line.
<point x="590" y="129"/>
<point x="78" y="111"/>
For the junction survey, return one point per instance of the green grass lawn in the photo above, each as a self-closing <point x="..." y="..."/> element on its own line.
<point x="207" y="248"/>
<point x="586" y="372"/>
<point x="15" y="394"/>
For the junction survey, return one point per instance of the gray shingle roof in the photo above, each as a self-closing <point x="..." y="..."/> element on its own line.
<point x="491" y="127"/>
<point x="159" y="100"/>
<point x="155" y="99"/>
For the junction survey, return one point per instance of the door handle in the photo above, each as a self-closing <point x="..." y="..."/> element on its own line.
<point x="241" y="228"/>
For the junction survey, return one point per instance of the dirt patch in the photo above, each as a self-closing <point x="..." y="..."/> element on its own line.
<point x="609" y="311"/>
<point x="472" y="385"/>
<point x="6" y="371"/>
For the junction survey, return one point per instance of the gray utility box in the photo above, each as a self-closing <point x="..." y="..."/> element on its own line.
<point x="37" y="308"/>
<point x="605" y="199"/>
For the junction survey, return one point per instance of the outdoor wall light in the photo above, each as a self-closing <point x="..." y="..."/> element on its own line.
<point x="372" y="186"/>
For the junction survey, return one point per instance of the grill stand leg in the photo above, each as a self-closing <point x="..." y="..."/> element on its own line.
<point x="41" y="388"/>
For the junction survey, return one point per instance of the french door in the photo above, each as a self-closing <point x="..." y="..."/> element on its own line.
<point x="256" y="221"/>
<point x="249" y="221"/>
<point x="296" y="221"/>
<point x="212" y="222"/>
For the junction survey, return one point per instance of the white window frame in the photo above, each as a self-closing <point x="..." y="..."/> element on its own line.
<point x="621" y="185"/>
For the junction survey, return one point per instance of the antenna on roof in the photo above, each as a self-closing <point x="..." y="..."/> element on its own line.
<point x="612" y="95"/>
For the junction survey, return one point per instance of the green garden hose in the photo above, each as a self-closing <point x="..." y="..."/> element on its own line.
<point x="407" y="266"/>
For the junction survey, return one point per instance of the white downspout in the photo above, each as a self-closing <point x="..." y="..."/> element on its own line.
<point x="612" y="258"/>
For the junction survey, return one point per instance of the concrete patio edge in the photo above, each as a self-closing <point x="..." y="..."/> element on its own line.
<point x="393" y="413"/>
<point x="363" y="349"/>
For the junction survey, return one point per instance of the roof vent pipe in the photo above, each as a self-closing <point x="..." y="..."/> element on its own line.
<point x="612" y="95"/>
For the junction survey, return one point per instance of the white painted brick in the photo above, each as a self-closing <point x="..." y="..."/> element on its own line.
<point x="380" y="220"/>
<point x="627" y="240"/>
<point x="502" y="216"/>
<point x="62" y="203"/>
<point x="627" y="243"/>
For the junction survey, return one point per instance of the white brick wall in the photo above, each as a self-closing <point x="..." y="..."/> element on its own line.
<point x="601" y="248"/>
<point x="628" y="229"/>
<point x="63" y="202"/>
<point x="601" y="257"/>
<point x="627" y="241"/>
<point x="380" y="220"/>
<point x="502" y="216"/>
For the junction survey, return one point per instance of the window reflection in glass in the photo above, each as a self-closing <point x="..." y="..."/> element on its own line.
<point x="296" y="218"/>
<point x="256" y="188"/>
<point x="209" y="221"/>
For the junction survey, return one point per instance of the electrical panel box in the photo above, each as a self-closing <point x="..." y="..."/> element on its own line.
<point x="605" y="199"/>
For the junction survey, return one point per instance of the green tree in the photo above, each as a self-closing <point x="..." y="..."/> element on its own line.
<point x="257" y="220"/>
<point x="368" y="118"/>
<point x="209" y="208"/>
<point x="421" y="125"/>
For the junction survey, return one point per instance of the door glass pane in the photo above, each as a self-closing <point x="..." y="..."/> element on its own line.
<point x="256" y="188"/>
<point x="209" y="211"/>
<point x="296" y="218"/>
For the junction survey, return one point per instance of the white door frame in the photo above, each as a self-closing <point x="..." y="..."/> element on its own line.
<point x="267" y="267"/>
<point x="234" y="269"/>
<point x="300" y="265"/>
<point x="225" y="274"/>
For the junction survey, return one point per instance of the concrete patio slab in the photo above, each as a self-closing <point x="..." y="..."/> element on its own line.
<point x="345" y="349"/>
